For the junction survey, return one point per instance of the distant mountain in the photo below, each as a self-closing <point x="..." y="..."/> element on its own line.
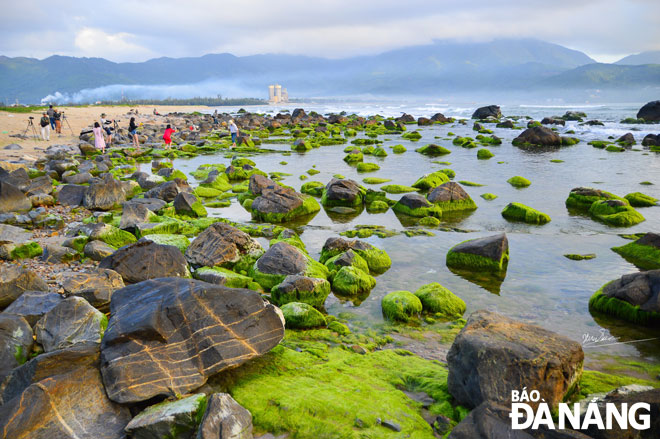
<point x="607" y="76"/>
<point x="651" y="57"/>
<point x="430" y="70"/>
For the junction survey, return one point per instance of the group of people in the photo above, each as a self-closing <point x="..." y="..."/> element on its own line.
<point x="51" y="119"/>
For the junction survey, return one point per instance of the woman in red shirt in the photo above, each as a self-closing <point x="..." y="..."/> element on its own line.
<point x="167" y="137"/>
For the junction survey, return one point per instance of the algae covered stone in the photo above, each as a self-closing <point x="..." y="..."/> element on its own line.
<point x="401" y="305"/>
<point x="638" y="199"/>
<point x="283" y="259"/>
<point x="302" y="316"/>
<point x="433" y="150"/>
<point x="520" y="212"/>
<point x="644" y="252"/>
<point x="367" y="167"/>
<point x="346" y="259"/>
<point x="296" y="288"/>
<point x="343" y="192"/>
<point x="377" y="259"/>
<point x="581" y="198"/>
<point x="429" y="181"/>
<point x="633" y="298"/>
<point x="351" y="281"/>
<point x="519" y="181"/>
<point x="484" y="154"/>
<point x="169" y="419"/>
<point x="615" y="213"/>
<point x="451" y="196"/>
<point x="222" y="276"/>
<point x="488" y="254"/>
<point x="437" y="299"/>
<point x="418" y="206"/>
<point x="314" y="188"/>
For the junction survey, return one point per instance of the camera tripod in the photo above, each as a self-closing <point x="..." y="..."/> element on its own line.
<point x="67" y="123"/>
<point x="34" y="130"/>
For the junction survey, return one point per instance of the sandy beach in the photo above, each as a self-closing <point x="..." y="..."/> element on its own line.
<point x="78" y="118"/>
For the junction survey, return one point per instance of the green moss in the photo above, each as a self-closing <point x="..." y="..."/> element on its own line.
<point x="484" y="154"/>
<point x="457" y="205"/>
<point x="439" y="300"/>
<point x="646" y="183"/>
<point x="379" y="152"/>
<point x="472" y="262"/>
<point x="413" y="136"/>
<point x="378" y="207"/>
<point x="401" y="305"/>
<point x="470" y="183"/>
<point x="638" y="199"/>
<point x="577" y="257"/>
<point x="308" y="207"/>
<point x="351" y="281"/>
<point x="339" y="328"/>
<point x="176" y="174"/>
<point x="268" y="281"/>
<point x="433" y="150"/>
<point x="622" y="309"/>
<point x="519" y="181"/>
<point x="367" y="167"/>
<point x="556" y="161"/>
<point x="354" y="157"/>
<point x="598" y="382"/>
<point x="643" y="256"/>
<point x="600" y="144"/>
<point x="232" y="279"/>
<point x="520" y="212"/>
<point x="221" y="183"/>
<point x="429" y="221"/>
<point x="313" y="171"/>
<point x="207" y="192"/>
<point x="315" y="297"/>
<point x="399" y="149"/>
<point x="314" y="188"/>
<point x="614" y="148"/>
<point x="569" y="141"/>
<point x="178" y="241"/>
<point x="358" y="262"/>
<point x="375" y="180"/>
<point x="618" y="216"/>
<point x="488" y="196"/>
<point x="432" y="180"/>
<point x="420" y="212"/>
<point x="397" y="189"/>
<point x="291" y="239"/>
<point x="584" y="202"/>
<point x="301" y="316"/>
<point x="27" y="250"/>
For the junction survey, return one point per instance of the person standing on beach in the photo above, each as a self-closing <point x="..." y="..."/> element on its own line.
<point x="233" y="129"/>
<point x="167" y="137"/>
<point x="58" y="122"/>
<point x="45" y="127"/>
<point x="99" y="141"/>
<point x="215" y="117"/>
<point x="105" y="125"/>
<point x="132" y="130"/>
<point x="51" y="118"/>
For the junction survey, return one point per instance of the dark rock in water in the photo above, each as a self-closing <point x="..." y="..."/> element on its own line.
<point x="187" y="204"/>
<point x="95" y="287"/>
<point x="377" y="260"/>
<point x="505" y="124"/>
<point x="282" y="258"/>
<point x="146" y="260"/>
<point x="258" y="183"/>
<point x="298" y="113"/>
<point x="133" y="214"/>
<point x="296" y="288"/>
<point x="627" y="139"/>
<point x="169" y="190"/>
<point x="650" y="239"/>
<point x="405" y="118"/>
<point x="15" y="342"/>
<point x="651" y="140"/>
<point x="486" y="112"/>
<point x="342" y="192"/>
<point x="161" y="420"/>
<point x="494" y="355"/>
<point x="199" y="328"/>
<point x="553" y="121"/>
<point x="97" y="250"/>
<point x="71" y="195"/>
<point x="32" y="305"/>
<point x="43" y="398"/>
<point x="105" y="194"/>
<point x="448" y="192"/>
<point x="638" y="289"/>
<point x="14" y="280"/>
<point x="278" y="199"/>
<point x="12" y="199"/>
<point x="650" y="112"/>
<point x="538" y="136"/>
<point x="225" y="419"/>
<point x="73" y="321"/>
<point x="221" y="245"/>
<point x="439" y="117"/>
<point x="594" y="122"/>
<point x="424" y="121"/>
<point x="414" y="201"/>
<point x="628" y="395"/>
<point x="153" y="204"/>
<point x="490" y="247"/>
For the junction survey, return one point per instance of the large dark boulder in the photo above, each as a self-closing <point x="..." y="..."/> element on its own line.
<point x="71" y="195"/>
<point x="96" y="287"/>
<point x="414" y="201"/>
<point x="60" y="395"/>
<point x="633" y="297"/>
<point x="279" y="204"/>
<point x="494" y="355"/>
<point x="650" y="112"/>
<point x="104" y="194"/>
<point x="651" y="140"/>
<point x="342" y="193"/>
<point x="146" y="260"/>
<point x="486" y="112"/>
<point x="14" y="280"/>
<point x="12" y="199"/>
<point x="490" y="253"/>
<point x="169" y="190"/>
<point x="222" y="245"/>
<point x="15" y="342"/>
<point x="133" y="214"/>
<point x="167" y="336"/>
<point x="282" y="259"/>
<point x="32" y="305"/>
<point x="538" y="136"/>
<point x="258" y="183"/>
<point x="186" y="203"/>
<point x="73" y="321"/>
<point x="448" y="192"/>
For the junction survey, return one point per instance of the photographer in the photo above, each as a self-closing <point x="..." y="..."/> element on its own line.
<point x="105" y="124"/>
<point x="44" y="122"/>
<point x="58" y="121"/>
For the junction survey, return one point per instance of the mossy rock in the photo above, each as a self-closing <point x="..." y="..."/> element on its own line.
<point x="401" y="306"/>
<point x="290" y="238"/>
<point x="378" y="207"/>
<point x="430" y="181"/>
<point x="302" y="316"/>
<point x="313" y="171"/>
<point x="114" y="236"/>
<point x="314" y="188"/>
<point x="413" y="136"/>
<point x="367" y="167"/>
<point x="484" y="154"/>
<point x="638" y="199"/>
<point x="169" y="419"/>
<point x="646" y="257"/>
<point x="379" y="152"/>
<point x="470" y="183"/>
<point x="621" y="309"/>
<point x="231" y="279"/>
<point x="356" y="260"/>
<point x="399" y="149"/>
<point x="176" y="174"/>
<point x="178" y="241"/>
<point x="583" y="198"/>
<point x="419" y="212"/>
<point x="339" y="328"/>
<point x="475" y="262"/>
<point x="578" y="257"/>
<point x="375" y="180"/>
<point x="600" y="144"/>
<point x="351" y="281"/>
<point x="614" y="148"/>
<point x="433" y="150"/>
<point x="397" y="189"/>
<point x="612" y="212"/>
<point x="519" y="182"/>
<point x="488" y="196"/>
<point x="207" y="192"/>
<point x="308" y="207"/>
<point x="301" y="289"/>
<point x="438" y="300"/>
<point x="526" y="214"/>
<point x="464" y="142"/>
<point x="450" y="173"/>
<point x="429" y="221"/>
<point x="26" y="250"/>
<point x="354" y="157"/>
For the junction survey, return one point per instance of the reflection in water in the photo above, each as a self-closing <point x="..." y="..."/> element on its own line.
<point x="491" y="282"/>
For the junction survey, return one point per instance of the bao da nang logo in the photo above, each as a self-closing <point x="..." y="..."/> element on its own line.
<point x="574" y="416"/>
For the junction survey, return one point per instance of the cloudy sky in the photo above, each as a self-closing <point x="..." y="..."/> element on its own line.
<point x="138" y="30"/>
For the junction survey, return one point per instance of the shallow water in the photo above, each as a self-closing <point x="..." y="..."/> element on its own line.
<point x="541" y="285"/>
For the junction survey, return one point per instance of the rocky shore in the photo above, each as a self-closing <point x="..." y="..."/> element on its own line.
<point x="130" y="311"/>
